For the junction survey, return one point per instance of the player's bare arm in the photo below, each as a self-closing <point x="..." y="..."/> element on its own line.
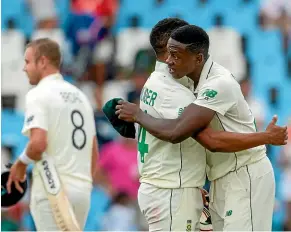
<point x="37" y="143"/>
<point x="222" y="141"/>
<point x="36" y="146"/>
<point x="193" y="120"/>
<point x="95" y="155"/>
<point x="102" y="179"/>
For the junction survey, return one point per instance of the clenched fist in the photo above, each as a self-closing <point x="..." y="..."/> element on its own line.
<point x="127" y="111"/>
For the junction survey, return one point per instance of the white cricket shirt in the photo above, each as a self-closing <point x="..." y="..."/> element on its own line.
<point x="219" y="91"/>
<point x="65" y="113"/>
<point x="161" y="163"/>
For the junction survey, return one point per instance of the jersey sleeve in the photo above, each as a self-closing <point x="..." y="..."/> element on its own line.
<point x="175" y="101"/>
<point x="217" y="95"/>
<point x="36" y="115"/>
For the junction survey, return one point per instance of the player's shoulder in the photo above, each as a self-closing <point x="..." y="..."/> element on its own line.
<point x="36" y="93"/>
<point x="72" y="88"/>
<point x="164" y="81"/>
<point x="220" y="77"/>
<point x="80" y="93"/>
<point x="156" y="77"/>
<point x="218" y="70"/>
<point x="32" y="92"/>
<point x="156" y="82"/>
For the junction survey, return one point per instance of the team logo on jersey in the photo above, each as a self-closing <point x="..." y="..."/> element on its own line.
<point x="29" y="119"/>
<point x="209" y="93"/>
<point x="228" y="213"/>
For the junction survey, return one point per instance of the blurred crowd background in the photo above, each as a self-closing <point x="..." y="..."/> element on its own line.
<point x="106" y="53"/>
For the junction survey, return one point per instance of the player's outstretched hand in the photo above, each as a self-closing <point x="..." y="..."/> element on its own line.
<point x="127" y="111"/>
<point x="278" y="135"/>
<point x="17" y="175"/>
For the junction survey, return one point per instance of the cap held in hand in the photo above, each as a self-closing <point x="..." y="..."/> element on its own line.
<point x="126" y="129"/>
<point x="8" y="200"/>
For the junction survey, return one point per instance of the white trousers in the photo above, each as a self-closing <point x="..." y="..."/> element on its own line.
<point x="171" y="209"/>
<point x="244" y="200"/>
<point x="78" y="195"/>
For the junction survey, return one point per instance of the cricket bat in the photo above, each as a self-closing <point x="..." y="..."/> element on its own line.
<point x="61" y="207"/>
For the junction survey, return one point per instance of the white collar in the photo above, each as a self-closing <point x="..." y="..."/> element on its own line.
<point x="54" y="76"/>
<point x="204" y="74"/>
<point x="161" y="67"/>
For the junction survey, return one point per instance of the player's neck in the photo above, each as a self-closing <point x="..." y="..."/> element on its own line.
<point x="162" y="57"/>
<point x="49" y="72"/>
<point x="195" y="76"/>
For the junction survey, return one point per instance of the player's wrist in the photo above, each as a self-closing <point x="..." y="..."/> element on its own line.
<point x="138" y="116"/>
<point x="267" y="137"/>
<point x="23" y="158"/>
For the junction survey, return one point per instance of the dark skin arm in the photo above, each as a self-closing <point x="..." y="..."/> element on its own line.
<point x="177" y="130"/>
<point x="193" y="120"/>
<point x="222" y="141"/>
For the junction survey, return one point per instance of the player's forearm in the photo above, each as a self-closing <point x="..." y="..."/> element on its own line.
<point x="234" y="142"/>
<point x="102" y="179"/>
<point x="35" y="149"/>
<point x="95" y="155"/>
<point x="221" y="141"/>
<point x="191" y="122"/>
<point x="163" y="129"/>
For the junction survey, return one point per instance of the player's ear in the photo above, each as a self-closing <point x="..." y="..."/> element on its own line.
<point x="199" y="58"/>
<point x="43" y="61"/>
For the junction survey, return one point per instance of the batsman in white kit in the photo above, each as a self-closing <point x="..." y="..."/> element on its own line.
<point x="59" y="121"/>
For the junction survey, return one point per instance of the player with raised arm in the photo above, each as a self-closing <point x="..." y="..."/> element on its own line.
<point x="247" y="176"/>
<point x="62" y="143"/>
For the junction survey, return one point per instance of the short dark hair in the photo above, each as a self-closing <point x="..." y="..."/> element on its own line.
<point x="161" y="32"/>
<point x="48" y="48"/>
<point x="194" y="37"/>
